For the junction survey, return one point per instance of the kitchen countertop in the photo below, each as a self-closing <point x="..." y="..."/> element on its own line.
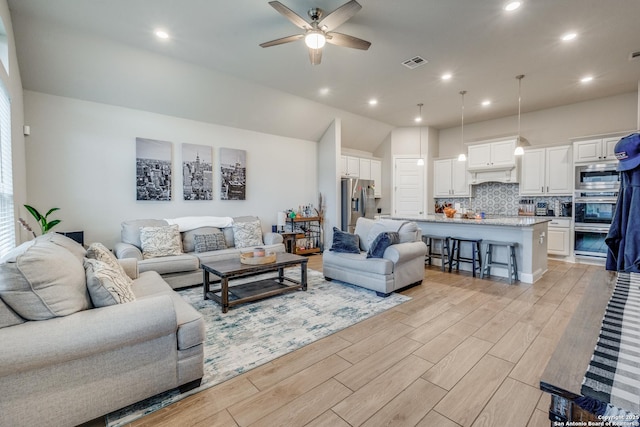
<point x="508" y="221"/>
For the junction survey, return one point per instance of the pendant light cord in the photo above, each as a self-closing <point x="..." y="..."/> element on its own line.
<point x="519" y="77"/>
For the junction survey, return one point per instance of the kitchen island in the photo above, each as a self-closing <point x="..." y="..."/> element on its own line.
<point x="530" y="233"/>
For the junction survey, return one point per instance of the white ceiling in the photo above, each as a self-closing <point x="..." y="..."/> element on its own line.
<point x="476" y="40"/>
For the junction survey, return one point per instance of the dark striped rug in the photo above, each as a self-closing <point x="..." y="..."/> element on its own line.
<point x="613" y="375"/>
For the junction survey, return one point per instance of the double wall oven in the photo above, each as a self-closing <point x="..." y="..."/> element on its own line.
<point x="594" y="204"/>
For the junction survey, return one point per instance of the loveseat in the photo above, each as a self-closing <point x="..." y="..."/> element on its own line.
<point x="401" y="264"/>
<point x="64" y="361"/>
<point x="181" y="268"/>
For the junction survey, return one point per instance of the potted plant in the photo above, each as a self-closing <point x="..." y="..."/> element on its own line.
<point x="45" y="224"/>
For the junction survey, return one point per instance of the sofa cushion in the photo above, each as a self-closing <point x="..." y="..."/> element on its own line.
<point x="130" y="232"/>
<point x="43" y="280"/>
<point x="247" y="234"/>
<point x="106" y="285"/>
<point x="100" y="252"/>
<point x="345" y="242"/>
<point x="209" y="242"/>
<point x="160" y="241"/>
<point x="170" y="264"/>
<point x="8" y="317"/>
<point x="373" y="232"/>
<point x="358" y="262"/>
<point x="69" y="244"/>
<point x="381" y="243"/>
<point x="188" y="245"/>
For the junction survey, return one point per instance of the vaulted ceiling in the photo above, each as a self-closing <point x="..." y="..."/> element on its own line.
<point x="106" y="51"/>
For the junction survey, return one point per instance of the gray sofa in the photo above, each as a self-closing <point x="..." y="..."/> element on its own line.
<point x="401" y="265"/>
<point x="184" y="270"/>
<point x="84" y="362"/>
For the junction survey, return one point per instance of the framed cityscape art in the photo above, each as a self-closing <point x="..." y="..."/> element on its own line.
<point x="197" y="172"/>
<point x="153" y="169"/>
<point x="233" y="174"/>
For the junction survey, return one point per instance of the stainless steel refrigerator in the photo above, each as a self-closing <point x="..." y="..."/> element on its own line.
<point x="357" y="201"/>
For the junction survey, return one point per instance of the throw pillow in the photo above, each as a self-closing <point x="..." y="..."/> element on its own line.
<point x="345" y="242"/>
<point x="160" y="241"/>
<point x="209" y="242"/>
<point x="101" y="253"/>
<point x="247" y="234"/>
<point x="382" y="242"/>
<point x="106" y="285"/>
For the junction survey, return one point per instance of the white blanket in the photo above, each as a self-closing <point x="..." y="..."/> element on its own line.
<point x="187" y="223"/>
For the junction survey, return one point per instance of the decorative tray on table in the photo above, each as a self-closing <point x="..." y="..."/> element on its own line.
<point x="248" y="258"/>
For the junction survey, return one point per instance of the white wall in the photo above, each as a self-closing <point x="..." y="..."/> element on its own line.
<point x="553" y="126"/>
<point x="81" y="158"/>
<point x="329" y="178"/>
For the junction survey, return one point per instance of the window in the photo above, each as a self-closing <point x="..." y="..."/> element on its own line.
<point x="7" y="221"/>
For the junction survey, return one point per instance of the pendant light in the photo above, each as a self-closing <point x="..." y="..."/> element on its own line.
<point x="462" y="157"/>
<point x="419" y="120"/>
<point x="520" y="142"/>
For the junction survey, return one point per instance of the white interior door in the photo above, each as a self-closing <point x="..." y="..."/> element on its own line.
<point x="408" y="186"/>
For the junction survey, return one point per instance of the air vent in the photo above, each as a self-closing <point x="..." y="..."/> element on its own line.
<point x="414" y="62"/>
<point x="634" y="56"/>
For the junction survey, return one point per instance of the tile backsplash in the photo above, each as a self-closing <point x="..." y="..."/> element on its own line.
<point x="496" y="198"/>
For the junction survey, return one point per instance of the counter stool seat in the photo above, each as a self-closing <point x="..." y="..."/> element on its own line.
<point x="476" y="254"/>
<point x="511" y="264"/>
<point x="444" y="254"/>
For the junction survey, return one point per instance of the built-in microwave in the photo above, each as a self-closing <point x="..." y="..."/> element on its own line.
<point x="601" y="176"/>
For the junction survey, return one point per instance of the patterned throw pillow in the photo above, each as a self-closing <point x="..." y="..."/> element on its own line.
<point x="209" y="242"/>
<point x="101" y="253"/>
<point x="105" y="284"/>
<point x="160" y="241"/>
<point x="247" y="234"/>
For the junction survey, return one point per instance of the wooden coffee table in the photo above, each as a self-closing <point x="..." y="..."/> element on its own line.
<point x="239" y="294"/>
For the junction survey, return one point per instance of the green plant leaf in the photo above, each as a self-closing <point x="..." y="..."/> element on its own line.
<point x="48" y="226"/>
<point x="33" y="211"/>
<point x="51" y="210"/>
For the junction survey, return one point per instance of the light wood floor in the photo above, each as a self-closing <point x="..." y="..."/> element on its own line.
<point x="463" y="351"/>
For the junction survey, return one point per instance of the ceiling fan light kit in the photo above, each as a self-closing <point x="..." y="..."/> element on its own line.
<point x="320" y="30"/>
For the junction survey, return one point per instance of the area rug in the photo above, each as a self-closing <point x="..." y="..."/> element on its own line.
<point x="255" y="333"/>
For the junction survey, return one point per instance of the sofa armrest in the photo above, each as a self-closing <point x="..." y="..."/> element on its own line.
<point x="130" y="266"/>
<point x="36" y="344"/>
<point x="272" y="238"/>
<point x="126" y="250"/>
<point x="405" y="251"/>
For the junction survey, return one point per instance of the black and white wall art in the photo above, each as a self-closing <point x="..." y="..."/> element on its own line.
<point x="233" y="174"/>
<point x="197" y="172"/>
<point x="153" y="169"/>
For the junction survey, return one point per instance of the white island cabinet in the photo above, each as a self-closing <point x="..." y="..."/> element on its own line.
<point x="530" y="233"/>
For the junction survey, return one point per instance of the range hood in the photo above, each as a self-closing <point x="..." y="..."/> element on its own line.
<point x="507" y="176"/>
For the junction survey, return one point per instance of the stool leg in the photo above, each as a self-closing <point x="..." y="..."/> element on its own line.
<point x="486" y="262"/>
<point x="429" y="252"/>
<point x="510" y="265"/>
<point x="479" y="250"/>
<point x="445" y="245"/>
<point x="515" y="264"/>
<point x="453" y="254"/>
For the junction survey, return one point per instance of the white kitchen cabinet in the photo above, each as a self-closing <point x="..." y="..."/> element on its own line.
<point x="546" y="171"/>
<point x="594" y="150"/>
<point x="364" y="169"/>
<point x="376" y="176"/>
<point x="559" y="237"/>
<point x="493" y="155"/>
<point x="450" y="178"/>
<point x="350" y="166"/>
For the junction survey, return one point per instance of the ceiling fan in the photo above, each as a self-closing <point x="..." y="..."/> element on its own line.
<point x="319" y="30"/>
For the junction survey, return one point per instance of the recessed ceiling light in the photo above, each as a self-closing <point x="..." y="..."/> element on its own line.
<point x="586" y="79"/>
<point x="161" y="34"/>
<point x="324" y="91"/>
<point x="511" y="6"/>
<point x="569" y="36"/>
<point x="373" y="101"/>
<point x="486" y="103"/>
<point x="446" y="76"/>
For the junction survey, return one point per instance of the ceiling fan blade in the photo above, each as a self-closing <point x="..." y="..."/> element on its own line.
<point x="283" y="40"/>
<point x="345" y="40"/>
<point x="297" y="20"/>
<point x="340" y="15"/>
<point x="315" y="55"/>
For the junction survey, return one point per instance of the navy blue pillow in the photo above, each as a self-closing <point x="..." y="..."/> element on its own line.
<point x="345" y="242"/>
<point x="382" y="242"/>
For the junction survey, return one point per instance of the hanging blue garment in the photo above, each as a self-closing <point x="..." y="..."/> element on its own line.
<point x="623" y="238"/>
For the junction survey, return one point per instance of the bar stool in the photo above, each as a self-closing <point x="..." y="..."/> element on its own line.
<point x="511" y="264"/>
<point x="444" y="255"/>
<point x="476" y="254"/>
